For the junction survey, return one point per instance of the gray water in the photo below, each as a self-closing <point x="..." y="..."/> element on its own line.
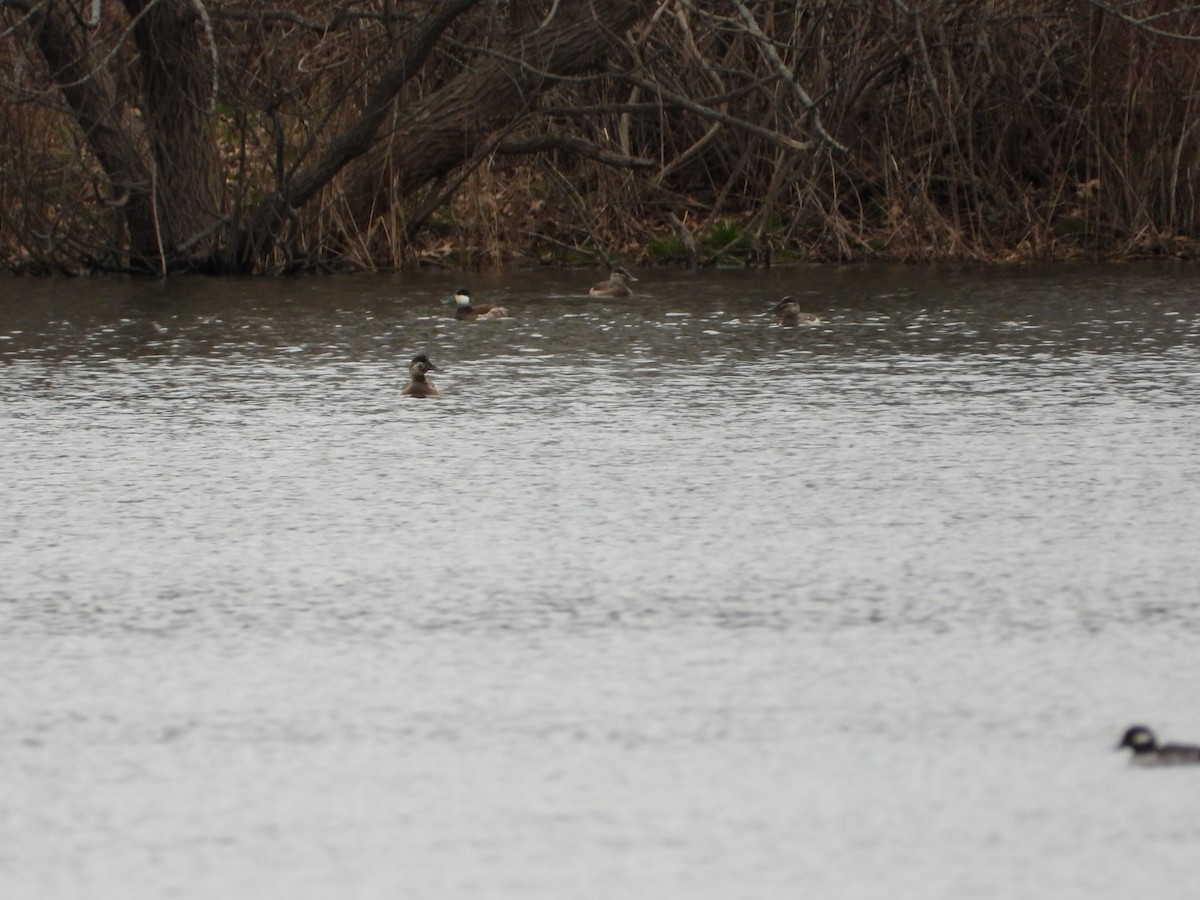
<point x="660" y="600"/>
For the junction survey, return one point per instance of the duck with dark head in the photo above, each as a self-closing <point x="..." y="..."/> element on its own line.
<point x="616" y="286"/>
<point x="789" y="314"/>
<point x="465" y="309"/>
<point x="419" y="386"/>
<point x="1147" y="751"/>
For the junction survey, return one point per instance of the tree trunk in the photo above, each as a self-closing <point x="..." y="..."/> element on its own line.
<point x="177" y="73"/>
<point x="164" y="170"/>
<point x="112" y="131"/>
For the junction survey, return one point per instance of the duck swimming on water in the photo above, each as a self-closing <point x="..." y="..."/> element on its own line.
<point x="616" y="286"/>
<point x="1148" y="752"/>
<point x="419" y="387"/>
<point x="465" y="309"/>
<point x="788" y="313"/>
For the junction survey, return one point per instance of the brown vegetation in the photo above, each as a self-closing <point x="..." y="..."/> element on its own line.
<point x="180" y="135"/>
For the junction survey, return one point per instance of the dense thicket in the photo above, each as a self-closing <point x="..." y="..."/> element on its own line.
<point x="196" y="135"/>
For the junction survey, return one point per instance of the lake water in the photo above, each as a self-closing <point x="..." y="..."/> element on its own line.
<point x="659" y="600"/>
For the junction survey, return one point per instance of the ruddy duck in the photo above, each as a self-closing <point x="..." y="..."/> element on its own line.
<point x="789" y="313"/>
<point x="616" y="286"/>
<point x="419" y="387"/>
<point x="465" y="309"/>
<point x="1148" y="752"/>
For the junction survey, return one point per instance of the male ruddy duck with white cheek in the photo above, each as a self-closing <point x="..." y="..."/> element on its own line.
<point x="465" y="309"/>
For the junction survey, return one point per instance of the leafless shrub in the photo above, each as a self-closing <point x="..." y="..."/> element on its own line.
<point x="753" y="131"/>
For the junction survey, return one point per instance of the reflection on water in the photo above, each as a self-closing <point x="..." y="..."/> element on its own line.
<point x="660" y="599"/>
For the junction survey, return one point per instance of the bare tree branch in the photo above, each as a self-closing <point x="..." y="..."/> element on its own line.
<point x="356" y="139"/>
<point x="1143" y="23"/>
<point x="785" y="73"/>
<point x="544" y="143"/>
<point x="707" y="112"/>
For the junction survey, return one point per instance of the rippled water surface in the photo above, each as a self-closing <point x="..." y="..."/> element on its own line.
<point x="660" y="600"/>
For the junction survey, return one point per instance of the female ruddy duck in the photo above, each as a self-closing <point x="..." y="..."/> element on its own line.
<point x="465" y="309"/>
<point x="1148" y="752"/>
<point x="616" y="286"/>
<point x="419" y="387"/>
<point x="789" y="313"/>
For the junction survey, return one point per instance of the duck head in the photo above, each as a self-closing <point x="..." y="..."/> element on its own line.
<point x="420" y="365"/>
<point x="1139" y="739"/>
